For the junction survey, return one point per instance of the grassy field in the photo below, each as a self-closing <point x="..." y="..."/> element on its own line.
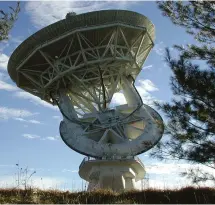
<point x="187" y="195"/>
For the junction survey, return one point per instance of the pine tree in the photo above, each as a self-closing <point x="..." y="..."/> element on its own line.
<point x="7" y="20"/>
<point x="191" y="114"/>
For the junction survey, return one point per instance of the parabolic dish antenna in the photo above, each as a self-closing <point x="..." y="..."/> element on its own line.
<point x="78" y="63"/>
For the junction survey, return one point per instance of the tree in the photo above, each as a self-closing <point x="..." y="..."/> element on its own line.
<point x="191" y="114"/>
<point x="7" y="21"/>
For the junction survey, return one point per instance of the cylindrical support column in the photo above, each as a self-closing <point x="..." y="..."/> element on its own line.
<point x="130" y="92"/>
<point x="93" y="184"/>
<point x="129" y="183"/>
<point x="117" y="175"/>
<point x="112" y="180"/>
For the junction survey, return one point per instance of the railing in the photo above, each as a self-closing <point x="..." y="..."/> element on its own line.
<point x="86" y="159"/>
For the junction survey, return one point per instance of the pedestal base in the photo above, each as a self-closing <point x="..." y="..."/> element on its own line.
<point x="117" y="175"/>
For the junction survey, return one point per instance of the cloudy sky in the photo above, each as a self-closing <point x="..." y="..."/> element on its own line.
<point x="30" y="127"/>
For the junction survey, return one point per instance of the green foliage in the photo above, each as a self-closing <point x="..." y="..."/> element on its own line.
<point x="7" y="21"/>
<point x="191" y="118"/>
<point x="197" y="17"/>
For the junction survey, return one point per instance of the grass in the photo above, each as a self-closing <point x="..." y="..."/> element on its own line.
<point x="188" y="195"/>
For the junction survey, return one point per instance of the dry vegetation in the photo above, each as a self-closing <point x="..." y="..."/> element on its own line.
<point x="187" y="195"/>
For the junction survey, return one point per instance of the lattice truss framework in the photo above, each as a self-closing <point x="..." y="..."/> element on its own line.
<point x="91" y="73"/>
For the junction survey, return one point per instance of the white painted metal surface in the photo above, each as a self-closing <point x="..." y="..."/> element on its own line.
<point x="79" y="59"/>
<point x="115" y="174"/>
<point x="78" y="64"/>
<point x="127" y="130"/>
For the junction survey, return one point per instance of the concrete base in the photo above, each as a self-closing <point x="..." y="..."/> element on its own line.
<point x="117" y="175"/>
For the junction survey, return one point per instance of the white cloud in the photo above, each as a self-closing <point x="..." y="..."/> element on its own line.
<point x="34" y="182"/>
<point x="34" y="99"/>
<point x="164" y="168"/>
<point x="144" y="87"/>
<point x="43" y="13"/>
<point x="47" y="182"/>
<point x="28" y="121"/>
<point x="33" y="136"/>
<point x="57" y="117"/>
<point x="7" y="165"/>
<point x="35" y="122"/>
<point x="2" y="76"/>
<point x="68" y="170"/>
<point x="118" y="99"/>
<point x="52" y="138"/>
<point x="175" y="168"/>
<point x="30" y="136"/>
<point x="166" y="176"/>
<point x="3" y="44"/>
<point x="24" y="95"/>
<point x="147" y="85"/>
<point x="16" y="39"/>
<point x="8" y="113"/>
<point x="12" y="42"/>
<point x="20" y="119"/>
<point x="7" y="86"/>
<point x="3" y="61"/>
<point x="148" y="67"/>
<point x="159" y="48"/>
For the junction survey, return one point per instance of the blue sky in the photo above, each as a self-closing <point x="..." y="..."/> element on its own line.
<point x="30" y="127"/>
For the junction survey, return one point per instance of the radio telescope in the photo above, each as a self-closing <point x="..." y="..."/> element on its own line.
<point x="78" y="64"/>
